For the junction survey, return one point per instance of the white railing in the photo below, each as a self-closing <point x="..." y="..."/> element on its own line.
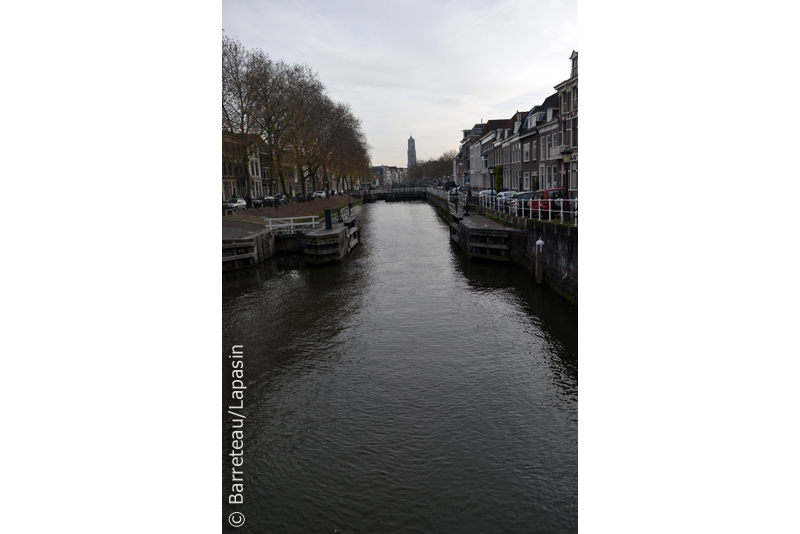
<point x="437" y="192"/>
<point x="559" y="208"/>
<point x="346" y="212"/>
<point x="292" y="223"/>
<point x="490" y="201"/>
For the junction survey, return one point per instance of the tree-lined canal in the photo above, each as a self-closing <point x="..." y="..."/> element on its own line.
<point x="405" y="389"/>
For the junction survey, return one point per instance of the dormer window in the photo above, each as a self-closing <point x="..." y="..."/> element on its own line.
<point x="549" y="114"/>
<point x="575" y="65"/>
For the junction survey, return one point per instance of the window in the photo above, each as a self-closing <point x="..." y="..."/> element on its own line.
<point x="574" y="98"/>
<point x="573" y="171"/>
<point x="575" y="131"/>
<point x="533" y="150"/>
<point x="547" y="181"/>
<point x="567" y="132"/>
<point x="555" y="176"/>
<point x="526" y="152"/>
<point x="575" y="66"/>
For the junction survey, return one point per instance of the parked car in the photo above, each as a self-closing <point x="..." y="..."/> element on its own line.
<point x="502" y="197"/>
<point x="546" y="199"/>
<point x="321" y="194"/>
<point x="519" y="200"/>
<point x="487" y="193"/>
<point x="450" y="185"/>
<point x="259" y="201"/>
<point x="281" y="199"/>
<point x="464" y="189"/>
<point x="234" y="203"/>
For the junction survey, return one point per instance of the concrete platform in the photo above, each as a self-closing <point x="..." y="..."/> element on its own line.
<point x="479" y="221"/>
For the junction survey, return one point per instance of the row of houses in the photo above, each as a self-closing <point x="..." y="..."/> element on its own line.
<point x="386" y="175"/>
<point x="534" y="149"/>
<point x="235" y="171"/>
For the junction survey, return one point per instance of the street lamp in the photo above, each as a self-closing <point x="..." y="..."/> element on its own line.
<point x="566" y="155"/>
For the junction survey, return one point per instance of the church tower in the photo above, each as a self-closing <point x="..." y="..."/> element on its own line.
<point x="412" y="153"/>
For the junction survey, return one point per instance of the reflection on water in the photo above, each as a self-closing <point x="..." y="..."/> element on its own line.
<point x="406" y="389"/>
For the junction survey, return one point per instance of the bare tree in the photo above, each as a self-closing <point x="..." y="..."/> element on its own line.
<point x="305" y="92"/>
<point x="284" y="111"/>
<point x="271" y="94"/>
<point x="238" y="104"/>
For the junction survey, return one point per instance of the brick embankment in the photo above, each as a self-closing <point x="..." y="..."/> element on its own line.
<point x="251" y="220"/>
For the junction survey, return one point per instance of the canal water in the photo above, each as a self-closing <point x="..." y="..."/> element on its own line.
<point x="406" y="389"/>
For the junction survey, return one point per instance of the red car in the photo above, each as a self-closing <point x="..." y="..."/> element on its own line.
<point x="546" y="200"/>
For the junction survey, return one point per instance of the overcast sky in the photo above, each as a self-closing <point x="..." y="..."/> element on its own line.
<point x="427" y="68"/>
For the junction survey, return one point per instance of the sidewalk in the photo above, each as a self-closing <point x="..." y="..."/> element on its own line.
<point x="251" y="220"/>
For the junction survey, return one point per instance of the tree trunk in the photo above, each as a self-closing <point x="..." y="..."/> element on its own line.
<point x="249" y="182"/>
<point x="282" y="175"/>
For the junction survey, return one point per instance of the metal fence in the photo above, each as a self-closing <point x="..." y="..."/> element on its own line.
<point x="548" y="209"/>
<point x="291" y="224"/>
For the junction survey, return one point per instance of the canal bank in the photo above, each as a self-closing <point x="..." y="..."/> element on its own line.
<point x="556" y="256"/>
<point x="249" y="239"/>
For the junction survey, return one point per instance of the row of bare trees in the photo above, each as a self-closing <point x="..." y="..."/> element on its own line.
<point x="283" y="110"/>
<point x="432" y="168"/>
